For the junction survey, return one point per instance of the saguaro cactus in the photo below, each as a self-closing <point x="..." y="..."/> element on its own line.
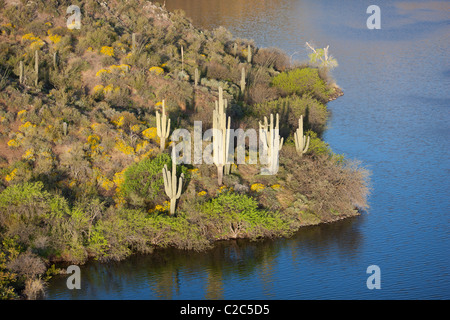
<point x="182" y="58"/>
<point x="65" y="128"/>
<point x="162" y="126"/>
<point x="221" y="137"/>
<point x="272" y="143"/>
<point x="196" y="77"/>
<point x="133" y="42"/>
<point x="36" y="67"/>
<point x="243" y="82"/>
<point x="173" y="190"/>
<point x="301" y="143"/>
<point x="21" y="72"/>
<point x="249" y="54"/>
<point x="55" y="60"/>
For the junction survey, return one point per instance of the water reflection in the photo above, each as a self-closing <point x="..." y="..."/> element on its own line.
<point x="177" y="274"/>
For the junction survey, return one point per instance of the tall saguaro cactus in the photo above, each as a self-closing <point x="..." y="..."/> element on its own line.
<point x="301" y="143"/>
<point x="249" y="54"/>
<point x="173" y="190"/>
<point x="221" y="137"/>
<point x="243" y="82"/>
<point x="133" y="42"/>
<point x="162" y="126"/>
<point x="21" y="72"/>
<point x="182" y="58"/>
<point x="196" y="77"/>
<point x="272" y="143"/>
<point x="55" y="60"/>
<point x="36" y="67"/>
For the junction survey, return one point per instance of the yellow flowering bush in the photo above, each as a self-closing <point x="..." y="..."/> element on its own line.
<point x="29" y="155"/>
<point x="141" y="146"/>
<point x="119" y="122"/>
<point x="101" y="72"/>
<point x="193" y="171"/>
<point x="104" y="182"/>
<point x="135" y="128"/>
<point x="93" y="139"/>
<point x="94" y="144"/>
<point x="156" y="70"/>
<point x="11" y="175"/>
<point x="150" y="133"/>
<point x="21" y="113"/>
<point x="124" y="148"/>
<point x="222" y="189"/>
<point x="276" y="187"/>
<point x="14" y="143"/>
<point x="108" y="51"/>
<point x="257" y="187"/>
<point x="26" y="126"/>
<point x="202" y="193"/>
<point x="121" y="68"/>
<point x="108" y="89"/>
<point x="55" y="38"/>
<point x="36" y="42"/>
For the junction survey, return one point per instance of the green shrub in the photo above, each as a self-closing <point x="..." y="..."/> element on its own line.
<point x="232" y="215"/>
<point x="301" y="81"/>
<point x="144" y="181"/>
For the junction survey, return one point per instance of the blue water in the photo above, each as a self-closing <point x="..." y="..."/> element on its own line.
<point x="394" y="118"/>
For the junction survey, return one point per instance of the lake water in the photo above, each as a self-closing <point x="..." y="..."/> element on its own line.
<point x="394" y="117"/>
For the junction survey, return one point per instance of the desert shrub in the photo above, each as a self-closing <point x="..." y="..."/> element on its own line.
<point x="217" y="71"/>
<point x="330" y="188"/>
<point x="300" y="81"/>
<point x="261" y="92"/>
<point x="27" y="210"/>
<point x="144" y="182"/>
<point x="98" y="38"/>
<point x="317" y="146"/>
<point x="27" y="264"/>
<point x="9" y="251"/>
<point x="232" y="215"/>
<point x="272" y="58"/>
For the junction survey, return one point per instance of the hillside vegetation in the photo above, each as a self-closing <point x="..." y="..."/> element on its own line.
<point x="80" y="158"/>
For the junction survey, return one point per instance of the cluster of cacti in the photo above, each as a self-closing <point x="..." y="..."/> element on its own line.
<point x="162" y="126"/>
<point x="221" y="137"/>
<point x="173" y="190"/>
<point x="301" y="142"/>
<point x="272" y="143"/>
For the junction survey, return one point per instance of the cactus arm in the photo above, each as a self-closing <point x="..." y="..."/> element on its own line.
<point x="168" y="129"/>
<point x="180" y="186"/>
